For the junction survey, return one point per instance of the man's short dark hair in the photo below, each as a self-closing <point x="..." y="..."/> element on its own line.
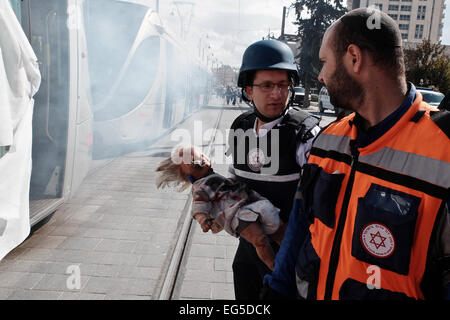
<point x="248" y="77"/>
<point x="247" y="80"/>
<point x="382" y="39"/>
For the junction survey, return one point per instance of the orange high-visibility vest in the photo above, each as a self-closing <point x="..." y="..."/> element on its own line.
<point x="387" y="197"/>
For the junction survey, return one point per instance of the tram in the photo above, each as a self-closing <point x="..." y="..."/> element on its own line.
<point x="113" y="77"/>
<point x="143" y="79"/>
<point x="62" y="136"/>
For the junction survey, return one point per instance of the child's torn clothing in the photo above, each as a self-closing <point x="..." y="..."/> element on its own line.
<point x="231" y="204"/>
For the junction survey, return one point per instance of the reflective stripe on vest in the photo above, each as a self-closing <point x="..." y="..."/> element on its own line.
<point x="408" y="165"/>
<point x="413" y="165"/>
<point x="329" y="142"/>
<point x="404" y="168"/>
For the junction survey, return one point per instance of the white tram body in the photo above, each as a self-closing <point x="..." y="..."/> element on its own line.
<point x="146" y="81"/>
<point x="61" y="136"/>
<point x="106" y="82"/>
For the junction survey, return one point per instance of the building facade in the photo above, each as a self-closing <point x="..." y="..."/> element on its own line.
<point x="225" y="76"/>
<point x="417" y="19"/>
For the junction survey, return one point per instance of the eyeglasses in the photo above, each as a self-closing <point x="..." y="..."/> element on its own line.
<point x="268" y="86"/>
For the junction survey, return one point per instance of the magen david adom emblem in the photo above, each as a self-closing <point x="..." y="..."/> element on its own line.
<point x="378" y="240"/>
<point x="256" y="159"/>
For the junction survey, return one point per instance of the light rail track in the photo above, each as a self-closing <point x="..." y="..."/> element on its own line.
<point x="172" y="276"/>
<point x="186" y="228"/>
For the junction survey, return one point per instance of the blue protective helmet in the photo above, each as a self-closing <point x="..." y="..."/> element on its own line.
<point x="268" y="55"/>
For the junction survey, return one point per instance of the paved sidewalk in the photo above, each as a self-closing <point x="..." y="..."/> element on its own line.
<point x="114" y="239"/>
<point x="113" y="230"/>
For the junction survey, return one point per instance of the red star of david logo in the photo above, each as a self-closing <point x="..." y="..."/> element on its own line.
<point x="379" y="243"/>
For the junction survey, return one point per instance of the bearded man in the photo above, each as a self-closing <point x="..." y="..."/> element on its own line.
<point x="371" y="218"/>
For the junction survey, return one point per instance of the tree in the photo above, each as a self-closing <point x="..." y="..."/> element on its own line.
<point x="426" y="65"/>
<point x="320" y="15"/>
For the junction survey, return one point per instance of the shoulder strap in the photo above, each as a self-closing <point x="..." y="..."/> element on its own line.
<point x="244" y="121"/>
<point x="295" y="116"/>
<point x="302" y="122"/>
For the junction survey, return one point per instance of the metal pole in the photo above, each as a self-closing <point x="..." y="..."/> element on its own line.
<point x="431" y="22"/>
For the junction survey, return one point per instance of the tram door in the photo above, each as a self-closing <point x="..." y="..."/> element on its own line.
<point x="46" y="24"/>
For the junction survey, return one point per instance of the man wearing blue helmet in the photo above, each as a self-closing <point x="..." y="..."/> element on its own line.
<point x="269" y="144"/>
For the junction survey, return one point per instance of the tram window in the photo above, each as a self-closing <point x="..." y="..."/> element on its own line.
<point x="136" y="83"/>
<point x="111" y="28"/>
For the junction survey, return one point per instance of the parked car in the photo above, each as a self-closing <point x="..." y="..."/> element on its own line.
<point x="299" y="96"/>
<point x="324" y="101"/>
<point x="433" y="98"/>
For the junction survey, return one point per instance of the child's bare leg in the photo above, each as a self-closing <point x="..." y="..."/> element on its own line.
<point x="278" y="235"/>
<point x="256" y="236"/>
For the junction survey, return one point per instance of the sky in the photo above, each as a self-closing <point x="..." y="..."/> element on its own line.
<point x="224" y="28"/>
<point x="227" y="27"/>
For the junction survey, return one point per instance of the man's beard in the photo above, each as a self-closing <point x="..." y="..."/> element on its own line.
<point x="343" y="90"/>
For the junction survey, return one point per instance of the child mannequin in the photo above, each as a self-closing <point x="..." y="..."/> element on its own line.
<point x="221" y="203"/>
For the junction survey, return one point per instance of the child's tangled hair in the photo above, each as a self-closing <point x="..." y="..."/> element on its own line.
<point x="169" y="170"/>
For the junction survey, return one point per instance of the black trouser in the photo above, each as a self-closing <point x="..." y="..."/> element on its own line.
<point x="248" y="271"/>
